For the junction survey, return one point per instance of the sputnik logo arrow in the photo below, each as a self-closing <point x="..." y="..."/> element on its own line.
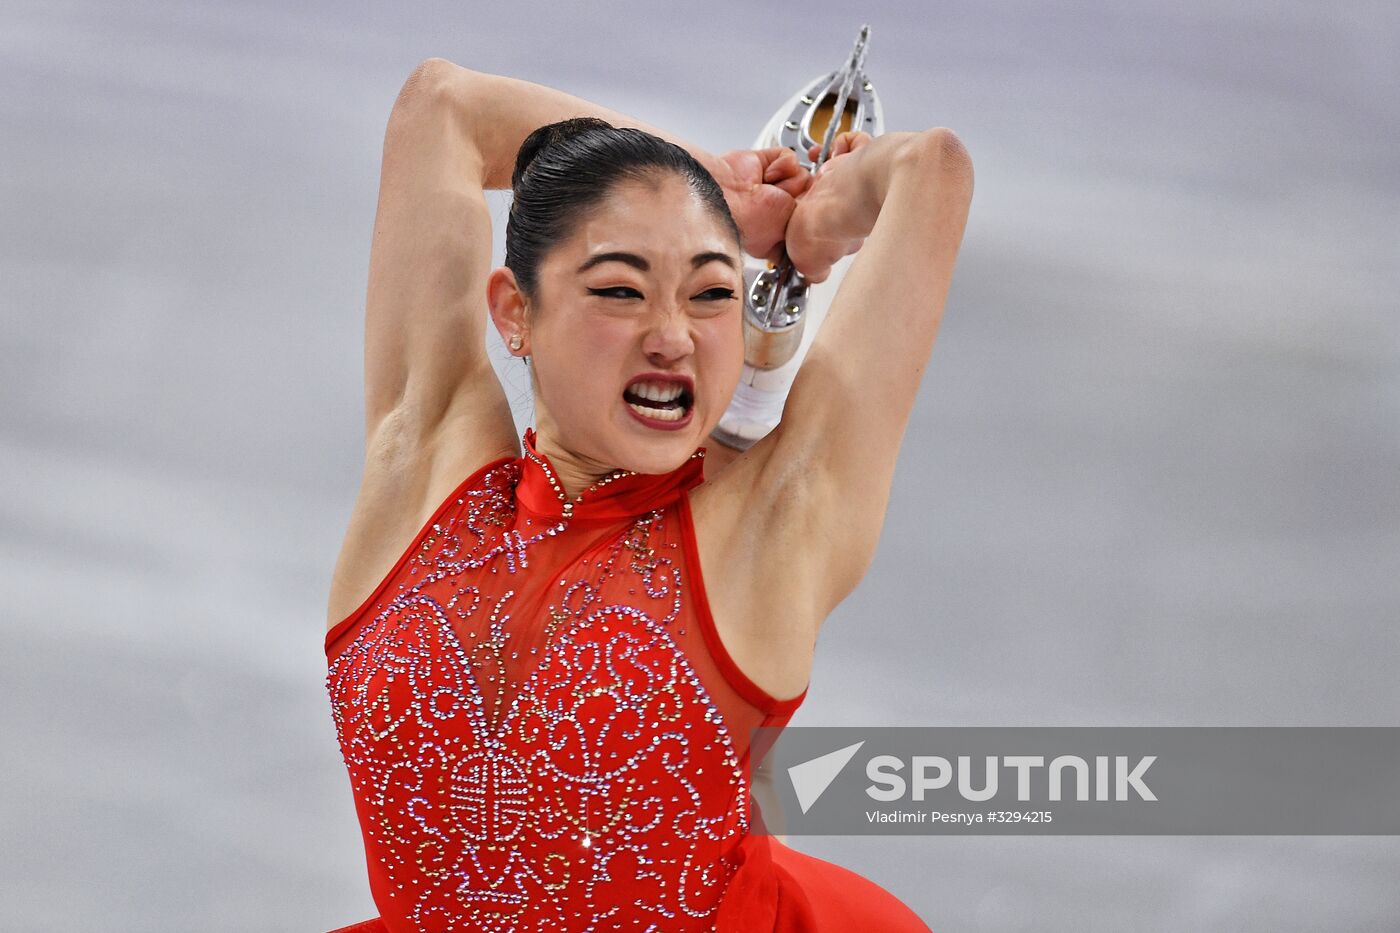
<point x="811" y="778"/>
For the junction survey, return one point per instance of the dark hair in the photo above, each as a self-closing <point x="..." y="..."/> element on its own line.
<point x="565" y="168"/>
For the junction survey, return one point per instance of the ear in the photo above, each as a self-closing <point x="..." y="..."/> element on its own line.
<point x="507" y="304"/>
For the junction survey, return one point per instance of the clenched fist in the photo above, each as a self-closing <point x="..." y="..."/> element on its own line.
<point x="761" y="187"/>
<point x="836" y="212"/>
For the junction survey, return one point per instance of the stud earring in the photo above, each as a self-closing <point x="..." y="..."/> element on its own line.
<point x="515" y="342"/>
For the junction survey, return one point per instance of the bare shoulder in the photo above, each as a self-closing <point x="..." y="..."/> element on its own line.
<point x="411" y="467"/>
<point x="764" y="553"/>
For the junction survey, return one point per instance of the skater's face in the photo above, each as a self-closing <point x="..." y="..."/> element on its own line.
<point x="649" y="284"/>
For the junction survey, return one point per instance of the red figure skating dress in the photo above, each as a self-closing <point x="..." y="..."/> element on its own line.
<point x="544" y="732"/>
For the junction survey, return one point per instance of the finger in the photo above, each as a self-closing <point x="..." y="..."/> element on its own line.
<point x="842" y="145"/>
<point x="846" y="142"/>
<point x="850" y="141"/>
<point x="777" y="161"/>
<point x="777" y="166"/>
<point x="814" y="269"/>
<point x="787" y="174"/>
<point x="797" y="184"/>
<point x="782" y="166"/>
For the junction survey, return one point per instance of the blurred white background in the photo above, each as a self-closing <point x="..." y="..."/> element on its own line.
<point x="1153" y="476"/>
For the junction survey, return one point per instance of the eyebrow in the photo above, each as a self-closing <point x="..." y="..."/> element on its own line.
<point x="637" y="262"/>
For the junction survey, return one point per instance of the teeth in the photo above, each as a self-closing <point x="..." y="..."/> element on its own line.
<point x="658" y="391"/>
<point x="660" y="414"/>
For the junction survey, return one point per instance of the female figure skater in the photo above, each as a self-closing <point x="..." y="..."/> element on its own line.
<point x="544" y="676"/>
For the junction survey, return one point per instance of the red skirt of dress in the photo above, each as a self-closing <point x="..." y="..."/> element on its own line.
<point x="780" y="889"/>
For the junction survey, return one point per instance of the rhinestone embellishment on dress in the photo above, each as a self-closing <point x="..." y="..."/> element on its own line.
<point x="538" y="754"/>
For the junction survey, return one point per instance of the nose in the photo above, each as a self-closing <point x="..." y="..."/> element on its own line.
<point x="668" y="337"/>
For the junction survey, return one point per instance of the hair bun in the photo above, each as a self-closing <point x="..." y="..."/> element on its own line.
<point x="551" y="134"/>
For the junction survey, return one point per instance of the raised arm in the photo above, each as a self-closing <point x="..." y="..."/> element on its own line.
<point x="452" y="133"/>
<point x="819" y="483"/>
<point x="909" y="196"/>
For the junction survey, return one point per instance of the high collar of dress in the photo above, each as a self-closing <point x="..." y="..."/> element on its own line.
<point x="620" y="494"/>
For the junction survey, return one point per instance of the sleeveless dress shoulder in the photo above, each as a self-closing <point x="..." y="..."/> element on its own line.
<point x="543" y="730"/>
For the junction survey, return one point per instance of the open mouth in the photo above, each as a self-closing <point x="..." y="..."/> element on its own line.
<point x="661" y="399"/>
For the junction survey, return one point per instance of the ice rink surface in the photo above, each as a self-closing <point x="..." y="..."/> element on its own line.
<point x="1151" y="478"/>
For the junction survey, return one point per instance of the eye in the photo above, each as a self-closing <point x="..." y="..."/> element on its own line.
<point x="617" y="291"/>
<point x="716" y="294"/>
